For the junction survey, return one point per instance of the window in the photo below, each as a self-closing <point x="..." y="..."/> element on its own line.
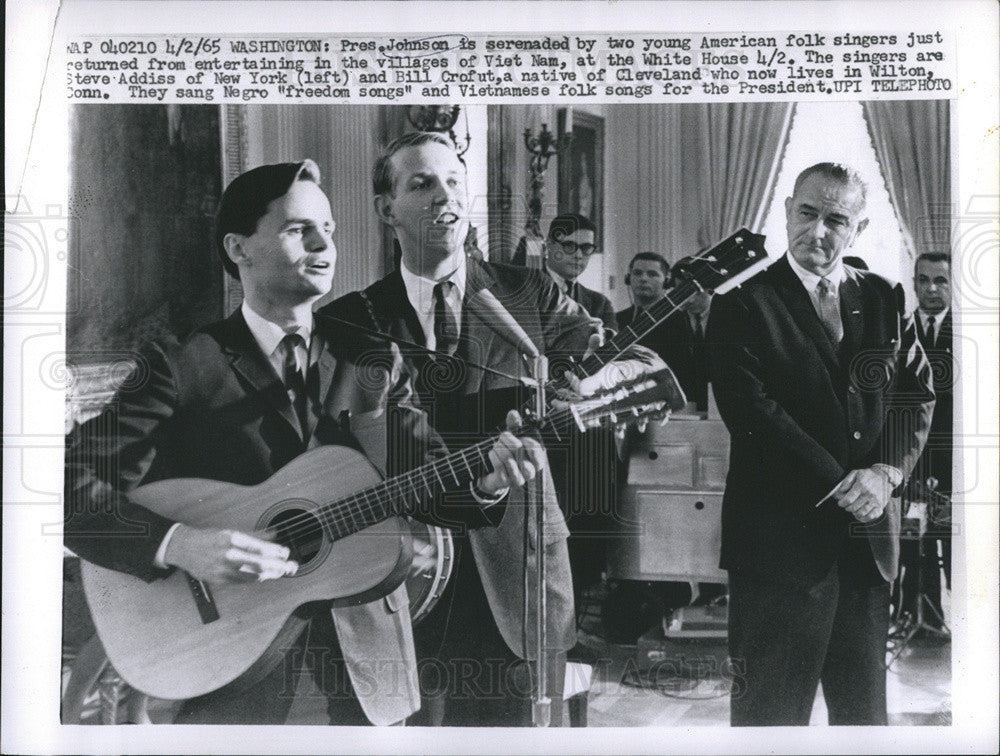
<point x="836" y="132"/>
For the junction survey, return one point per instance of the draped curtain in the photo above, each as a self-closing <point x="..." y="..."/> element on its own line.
<point x="742" y="145"/>
<point x="911" y="140"/>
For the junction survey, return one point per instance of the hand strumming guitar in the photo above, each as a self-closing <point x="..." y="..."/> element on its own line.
<point x="229" y="556"/>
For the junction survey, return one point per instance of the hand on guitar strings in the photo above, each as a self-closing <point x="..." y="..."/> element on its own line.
<point x="635" y="361"/>
<point x="515" y="460"/>
<point x="227" y="556"/>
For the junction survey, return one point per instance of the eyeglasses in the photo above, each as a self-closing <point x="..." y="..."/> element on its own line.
<point x="571" y="247"/>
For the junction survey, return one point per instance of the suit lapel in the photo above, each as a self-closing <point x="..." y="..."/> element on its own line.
<point x="852" y="316"/>
<point x="476" y="342"/>
<point x="944" y="339"/>
<point x="326" y="362"/>
<point x="942" y="333"/>
<point x="803" y="313"/>
<point x="254" y="369"/>
<point x="405" y="318"/>
<point x="395" y="316"/>
<point x="921" y="332"/>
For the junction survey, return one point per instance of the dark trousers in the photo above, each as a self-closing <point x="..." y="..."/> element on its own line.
<point x="784" y="638"/>
<point x="469" y="677"/>
<point x="264" y="693"/>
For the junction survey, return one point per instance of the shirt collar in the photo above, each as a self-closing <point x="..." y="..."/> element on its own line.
<point x="937" y="318"/>
<point x="810" y="280"/>
<point x="560" y="281"/>
<point x="420" y="290"/>
<point x="268" y="334"/>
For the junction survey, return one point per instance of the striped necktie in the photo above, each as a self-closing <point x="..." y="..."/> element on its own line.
<point x="828" y="309"/>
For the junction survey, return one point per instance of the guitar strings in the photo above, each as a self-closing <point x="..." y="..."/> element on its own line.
<point x="338" y="516"/>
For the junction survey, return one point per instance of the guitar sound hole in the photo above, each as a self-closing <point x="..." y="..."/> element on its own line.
<point x="301" y="532"/>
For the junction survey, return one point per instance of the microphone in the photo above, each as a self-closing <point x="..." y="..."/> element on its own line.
<point x="412" y="345"/>
<point x="494" y="315"/>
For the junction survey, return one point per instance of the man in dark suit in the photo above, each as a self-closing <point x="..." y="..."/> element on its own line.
<point x="680" y="339"/>
<point x="584" y="471"/>
<point x="648" y="278"/>
<point x="932" y="284"/>
<point x="235" y="402"/>
<point x="684" y="336"/>
<point x="435" y="299"/>
<point x="568" y="249"/>
<point x="828" y="402"/>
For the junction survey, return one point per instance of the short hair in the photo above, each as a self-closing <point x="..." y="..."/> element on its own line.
<point x="565" y="224"/>
<point x="383" y="181"/>
<point x="845" y="174"/>
<point x="664" y="265"/>
<point x="932" y="257"/>
<point x="247" y="197"/>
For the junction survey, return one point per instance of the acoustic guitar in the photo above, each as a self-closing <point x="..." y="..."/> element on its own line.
<point x="721" y="268"/>
<point x="180" y="638"/>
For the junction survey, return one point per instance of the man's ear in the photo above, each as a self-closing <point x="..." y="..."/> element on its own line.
<point x="235" y="250"/>
<point x="383" y="208"/>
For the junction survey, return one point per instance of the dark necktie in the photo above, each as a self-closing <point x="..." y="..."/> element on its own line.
<point x="929" y="335"/>
<point x="295" y="381"/>
<point x="829" y="310"/>
<point x="445" y="322"/>
<point x="571" y="290"/>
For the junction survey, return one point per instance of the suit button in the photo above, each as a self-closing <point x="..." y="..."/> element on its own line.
<point x="852" y="390"/>
<point x="857" y="435"/>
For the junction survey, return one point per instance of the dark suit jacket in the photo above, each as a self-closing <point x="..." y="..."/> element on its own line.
<point x="936" y="461"/>
<point x="802" y="413"/>
<point x="596" y="304"/>
<point x="467" y="403"/>
<point x="213" y="407"/>
<point x="674" y="341"/>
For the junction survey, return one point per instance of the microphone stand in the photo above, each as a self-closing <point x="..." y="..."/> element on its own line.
<point x="541" y="709"/>
<point x="500" y="322"/>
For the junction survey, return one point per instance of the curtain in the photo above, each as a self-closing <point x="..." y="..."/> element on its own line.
<point x="742" y="145"/>
<point x="911" y="140"/>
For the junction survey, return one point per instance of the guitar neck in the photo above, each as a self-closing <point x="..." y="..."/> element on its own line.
<point x="719" y="269"/>
<point x="406" y="493"/>
<point x="666" y="306"/>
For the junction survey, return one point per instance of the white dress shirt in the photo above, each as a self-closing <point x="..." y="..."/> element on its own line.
<point x="938" y="318"/>
<point x="561" y="282"/>
<point x="810" y="280"/>
<point x="420" y="292"/>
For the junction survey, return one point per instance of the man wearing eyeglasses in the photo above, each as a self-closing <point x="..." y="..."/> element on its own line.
<point x="584" y="472"/>
<point x="569" y="248"/>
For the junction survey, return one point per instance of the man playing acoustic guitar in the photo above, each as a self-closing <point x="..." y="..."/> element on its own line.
<point x="237" y="401"/>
